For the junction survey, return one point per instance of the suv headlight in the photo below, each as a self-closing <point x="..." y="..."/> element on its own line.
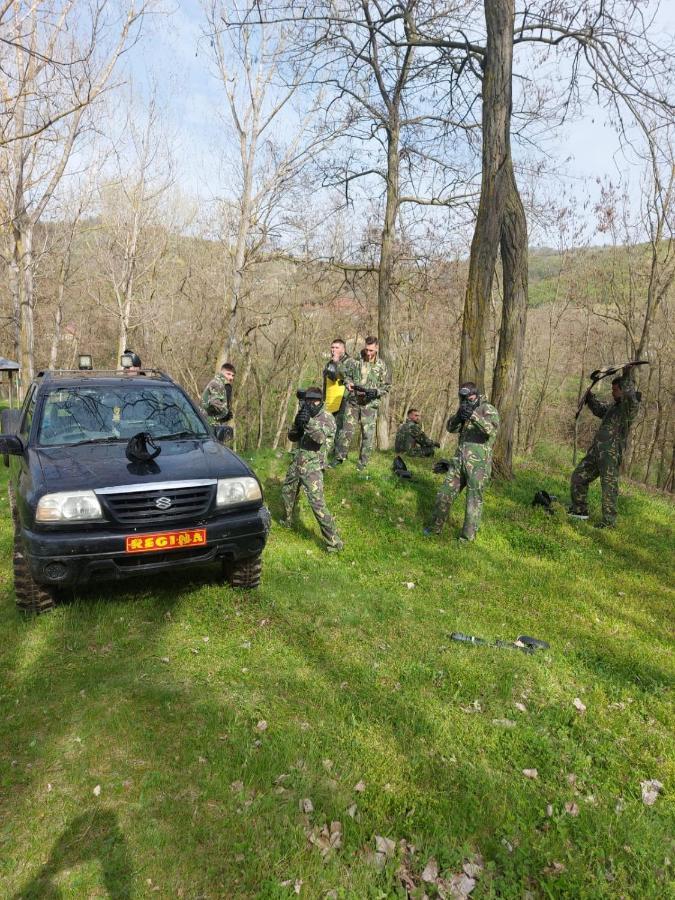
<point x="237" y="490"/>
<point x="69" y="506"/>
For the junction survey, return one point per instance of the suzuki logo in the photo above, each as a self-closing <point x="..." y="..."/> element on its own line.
<point x="163" y="502"/>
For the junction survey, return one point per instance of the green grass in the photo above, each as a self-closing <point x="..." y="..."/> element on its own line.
<point x="153" y="692"/>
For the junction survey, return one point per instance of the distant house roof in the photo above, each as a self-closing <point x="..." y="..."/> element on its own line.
<point x="8" y="365"/>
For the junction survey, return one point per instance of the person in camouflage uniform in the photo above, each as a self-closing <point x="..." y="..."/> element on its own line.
<point x="603" y="459"/>
<point x="477" y="422"/>
<point x="367" y="381"/>
<point x="314" y="430"/>
<point x="410" y="438"/>
<point x="217" y="397"/>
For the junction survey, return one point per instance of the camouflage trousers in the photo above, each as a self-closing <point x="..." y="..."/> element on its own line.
<point x="464" y="472"/>
<point x="308" y="474"/>
<point x="352" y="415"/>
<point x="596" y="465"/>
<point x="419" y="451"/>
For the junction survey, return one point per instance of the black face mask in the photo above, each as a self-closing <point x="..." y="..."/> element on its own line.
<point x="465" y="402"/>
<point x="314" y="409"/>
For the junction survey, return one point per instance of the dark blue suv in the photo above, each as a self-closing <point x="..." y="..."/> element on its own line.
<point x="86" y="504"/>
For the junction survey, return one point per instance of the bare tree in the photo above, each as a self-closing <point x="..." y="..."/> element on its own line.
<point x="134" y="230"/>
<point x="260" y="91"/>
<point x="34" y="159"/>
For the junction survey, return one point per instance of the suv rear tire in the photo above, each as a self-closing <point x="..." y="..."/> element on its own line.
<point x="244" y="573"/>
<point x="30" y="596"/>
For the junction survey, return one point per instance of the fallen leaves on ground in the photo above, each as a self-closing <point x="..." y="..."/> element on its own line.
<point x="261" y="726"/>
<point x="360" y="787"/>
<point x="326" y="838"/>
<point x="306" y="805"/>
<point x="579" y="705"/>
<point x="430" y="873"/>
<point x="530" y="773"/>
<point x="650" y="791"/>
<point x="556" y="868"/>
<point x="572" y="808"/>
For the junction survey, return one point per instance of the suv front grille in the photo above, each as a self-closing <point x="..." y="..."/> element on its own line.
<point x="140" y="507"/>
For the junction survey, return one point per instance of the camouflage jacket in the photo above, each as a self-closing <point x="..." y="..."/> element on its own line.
<point x="479" y="433"/>
<point x="617" y="417"/>
<point x="217" y="399"/>
<point x="319" y="430"/>
<point x="372" y="375"/>
<point x="409" y="436"/>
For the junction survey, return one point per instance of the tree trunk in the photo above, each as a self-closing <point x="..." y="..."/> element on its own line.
<point x="509" y="364"/>
<point x="496" y="115"/>
<point x="384" y="304"/>
<point x="24" y="242"/>
<point x="500" y="225"/>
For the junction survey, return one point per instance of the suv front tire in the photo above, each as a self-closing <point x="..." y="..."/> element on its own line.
<point x="30" y="596"/>
<point x="244" y="573"/>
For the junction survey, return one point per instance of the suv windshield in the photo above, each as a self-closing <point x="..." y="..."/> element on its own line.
<point x="77" y="415"/>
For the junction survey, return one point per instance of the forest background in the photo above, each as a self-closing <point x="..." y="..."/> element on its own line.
<point x="341" y="177"/>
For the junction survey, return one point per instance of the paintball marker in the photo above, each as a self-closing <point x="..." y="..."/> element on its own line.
<point x="605" y="372"/>
<point x="308" y="408"/>
<point x="365" y="394"/>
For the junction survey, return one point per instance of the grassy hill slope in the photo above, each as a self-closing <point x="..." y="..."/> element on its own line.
<point x="163" y="739"/>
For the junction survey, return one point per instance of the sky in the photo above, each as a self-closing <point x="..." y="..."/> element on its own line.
<point x="175" y="56"/>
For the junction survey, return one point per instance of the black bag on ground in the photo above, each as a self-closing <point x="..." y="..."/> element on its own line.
<point x="400" y="469"/>
<point x="545" y="500"/>
<point x="441" y="467"/>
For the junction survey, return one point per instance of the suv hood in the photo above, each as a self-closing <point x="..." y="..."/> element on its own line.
<point x="93" y="466"/>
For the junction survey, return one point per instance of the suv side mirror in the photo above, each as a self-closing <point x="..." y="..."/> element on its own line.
<point x="223" y="433"/>
<point x="11" y="445"/>
<point x="10" y="419"/>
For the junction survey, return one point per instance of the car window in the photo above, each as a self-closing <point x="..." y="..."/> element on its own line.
<point x="28" y="412"/>
<point x="81" y="414"/>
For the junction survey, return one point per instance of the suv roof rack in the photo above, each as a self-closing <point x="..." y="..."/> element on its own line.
<point x="97" y="373"/>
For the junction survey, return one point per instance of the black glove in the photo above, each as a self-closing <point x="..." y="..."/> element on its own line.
<point x="436" y="445"/>
<point x="441" y="467"/>
<point x="302" y="417"/>
<point x="466" y="410"/>
<point x="227" y="416"/>
<point x="371" y="394"/>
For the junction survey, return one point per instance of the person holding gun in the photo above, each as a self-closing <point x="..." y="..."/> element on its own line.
<point x="367" y="381"/>
<point x="410" y="438"/>
<point x="603" y="459"/>
<point x="477" y="422"/>
<point x="314" y="431"/>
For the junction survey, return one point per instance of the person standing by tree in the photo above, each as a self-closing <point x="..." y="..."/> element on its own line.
<point x="367" y="381"/>
<point x="603" y="459"/>
<point x="411" y="439"/>
<point x="217" y="396"/>
<point x="478" y="423"/>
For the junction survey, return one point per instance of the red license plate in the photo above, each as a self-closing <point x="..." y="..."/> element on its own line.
<point x="166" y="540"/>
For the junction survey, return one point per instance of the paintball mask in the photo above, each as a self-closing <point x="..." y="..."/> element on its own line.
<point x="466" y="404"/>
<point x="141" y="448"/>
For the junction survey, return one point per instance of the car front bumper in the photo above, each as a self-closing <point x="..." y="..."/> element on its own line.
<point x="77" y="557"/>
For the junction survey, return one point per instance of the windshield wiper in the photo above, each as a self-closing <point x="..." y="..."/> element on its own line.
<point x="177" y="434"/>
<point x="105" y="440"/>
